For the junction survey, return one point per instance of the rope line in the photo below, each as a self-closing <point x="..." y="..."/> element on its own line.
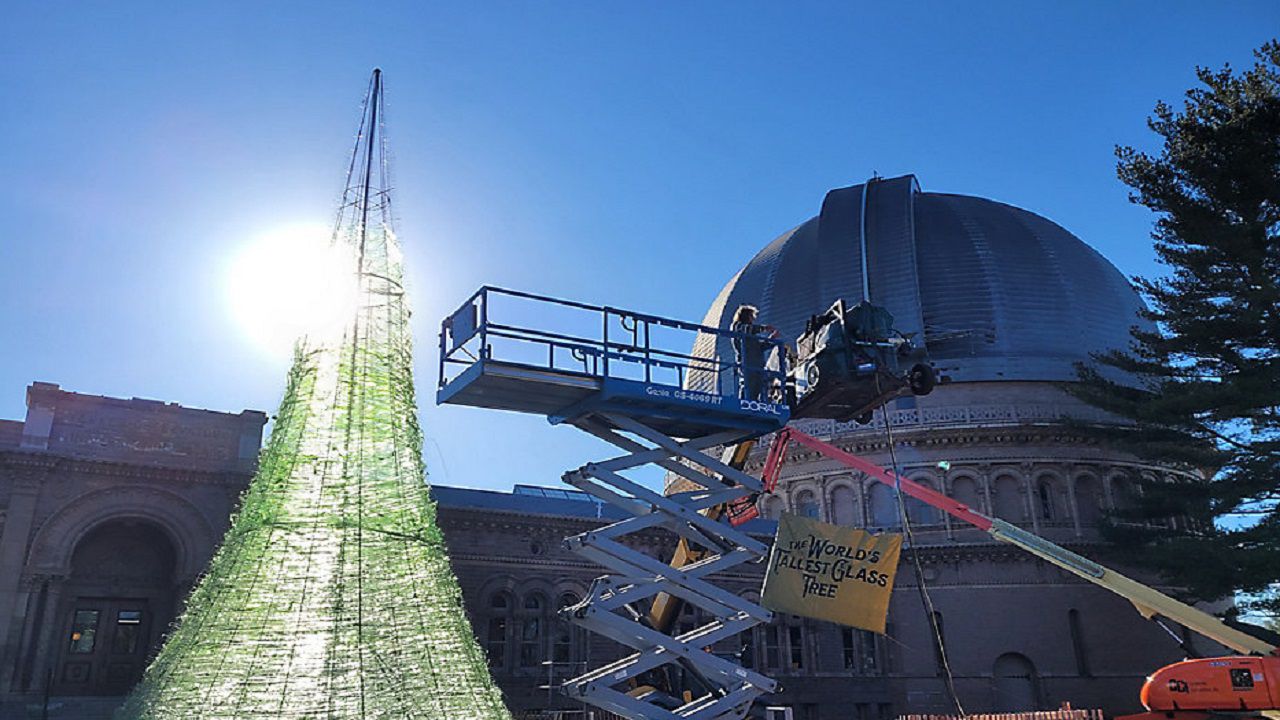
<point x="925" y="599"/>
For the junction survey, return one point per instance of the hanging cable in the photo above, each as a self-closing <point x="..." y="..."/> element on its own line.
<point x="925" y="599"/>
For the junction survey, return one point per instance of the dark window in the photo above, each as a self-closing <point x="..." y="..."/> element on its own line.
<point x="84" y="631"/>
<point x="772" y="647"/>
<point x="870" y="657"/>
<point x="807" y="505"/>
<point x="1046" y="501"/>
<point x="562" y="650"/>
<point x="795" y="645"/>
<point x="497" y="634"/>
<point x="532" y="629"/>
<point x="747" y="654"/>
<point x="530" y="641"/>
<point x="496" y="642"/>
<point x="1077" y="643"/>
<point x="939" y="641"/>
<point x="128" y="632"/>
<point x="849" y="649"/>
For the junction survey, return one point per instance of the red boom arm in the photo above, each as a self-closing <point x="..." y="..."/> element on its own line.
<point x="778" y="451"/>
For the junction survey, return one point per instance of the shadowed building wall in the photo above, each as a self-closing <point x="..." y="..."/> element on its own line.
<point x="109" y="510"/>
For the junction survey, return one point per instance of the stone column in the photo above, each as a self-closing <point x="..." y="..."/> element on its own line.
<point x="984" y="482"/>
<point x="13" y="545"/>
<point x="45" y="639"/>
<point x="1029" y="495"/>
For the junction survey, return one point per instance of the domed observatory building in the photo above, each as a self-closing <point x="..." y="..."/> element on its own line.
<point x="1005" y="302"/>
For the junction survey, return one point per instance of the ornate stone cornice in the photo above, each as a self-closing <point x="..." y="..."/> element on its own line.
<point x="39" y="464"/>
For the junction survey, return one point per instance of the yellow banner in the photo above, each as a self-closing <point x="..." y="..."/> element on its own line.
<point x="831" y="572"/>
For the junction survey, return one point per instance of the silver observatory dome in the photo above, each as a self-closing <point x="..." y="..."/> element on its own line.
<point x="995" y="292"/>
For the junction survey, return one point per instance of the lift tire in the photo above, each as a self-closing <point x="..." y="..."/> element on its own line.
<point x="812" y="375"/>
<point x="922" y="379"/>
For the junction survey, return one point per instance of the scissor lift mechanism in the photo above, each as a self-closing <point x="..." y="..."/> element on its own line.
<point x="609" y="375"/>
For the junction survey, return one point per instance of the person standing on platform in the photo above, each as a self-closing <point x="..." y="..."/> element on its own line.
<point x="749" y="350"/>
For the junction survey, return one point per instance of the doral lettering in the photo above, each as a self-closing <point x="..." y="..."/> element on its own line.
<point x="757" y="406"/>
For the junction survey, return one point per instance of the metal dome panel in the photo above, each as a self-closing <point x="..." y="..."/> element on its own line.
<point x="999" y="293"/>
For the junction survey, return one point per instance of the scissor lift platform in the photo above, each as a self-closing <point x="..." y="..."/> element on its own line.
<point x="620" y="376"/>
<point x="497" y="352"/>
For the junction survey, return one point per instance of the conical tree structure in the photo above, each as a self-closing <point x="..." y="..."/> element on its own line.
<point x="332" y="595"/>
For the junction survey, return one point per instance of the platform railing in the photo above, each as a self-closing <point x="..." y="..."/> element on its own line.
<point x="565" y="336"/>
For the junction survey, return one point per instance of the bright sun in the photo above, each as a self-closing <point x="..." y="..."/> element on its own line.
<point x="290" y="282"/>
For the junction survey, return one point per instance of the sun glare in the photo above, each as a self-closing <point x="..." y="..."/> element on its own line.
<point x="288" y="283"/>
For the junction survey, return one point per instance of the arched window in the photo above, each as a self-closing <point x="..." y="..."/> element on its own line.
<point x="843" y="506"/>
<point x="771" y="507"/>
<point x="533" y="622"/>
<point x="565" y="642"/>
<point x="883" y="506"/>
<point x="918" y="512"/>
<point x="1046" y="504"/>
<point x="497" y="628"/>
<point x="1008" y="499"/>
<point x="807" y="504"/>
<point x="965" y="490"/>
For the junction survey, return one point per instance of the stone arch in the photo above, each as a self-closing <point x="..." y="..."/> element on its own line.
<point x="138" y="552"/>
<point x="771" y="507"/>
<point x="497" y="583"/>
<point x="1016" y="683"/>
<point x="115" y="602"/>
<point x="180" y="520"/>
<point x="844" y="505"/>
<point x="569" y="587"/>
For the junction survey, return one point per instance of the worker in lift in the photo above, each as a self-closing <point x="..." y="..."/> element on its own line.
<point x="749" y="347"/>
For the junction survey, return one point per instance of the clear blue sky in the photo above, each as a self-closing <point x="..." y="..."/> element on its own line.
<point x="630" y="153"/>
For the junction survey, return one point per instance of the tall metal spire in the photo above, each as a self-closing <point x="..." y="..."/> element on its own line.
<point x="332" y="595"/>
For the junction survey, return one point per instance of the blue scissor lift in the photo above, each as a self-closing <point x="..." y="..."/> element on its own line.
<point x="621" y="376"/>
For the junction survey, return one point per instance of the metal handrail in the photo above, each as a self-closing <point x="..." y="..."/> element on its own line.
<point x="595" y="354"/>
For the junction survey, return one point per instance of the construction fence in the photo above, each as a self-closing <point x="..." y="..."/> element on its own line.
<point x="1065" y="713"/>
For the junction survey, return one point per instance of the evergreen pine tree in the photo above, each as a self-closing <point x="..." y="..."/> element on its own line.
<point x="1207" y="396"/>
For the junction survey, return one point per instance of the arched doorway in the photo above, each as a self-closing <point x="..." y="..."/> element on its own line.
<point x="117" y="603"/>
<point x="1015" y="684"/>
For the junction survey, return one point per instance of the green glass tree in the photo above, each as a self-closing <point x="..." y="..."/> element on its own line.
<point x="332" y="595"/>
